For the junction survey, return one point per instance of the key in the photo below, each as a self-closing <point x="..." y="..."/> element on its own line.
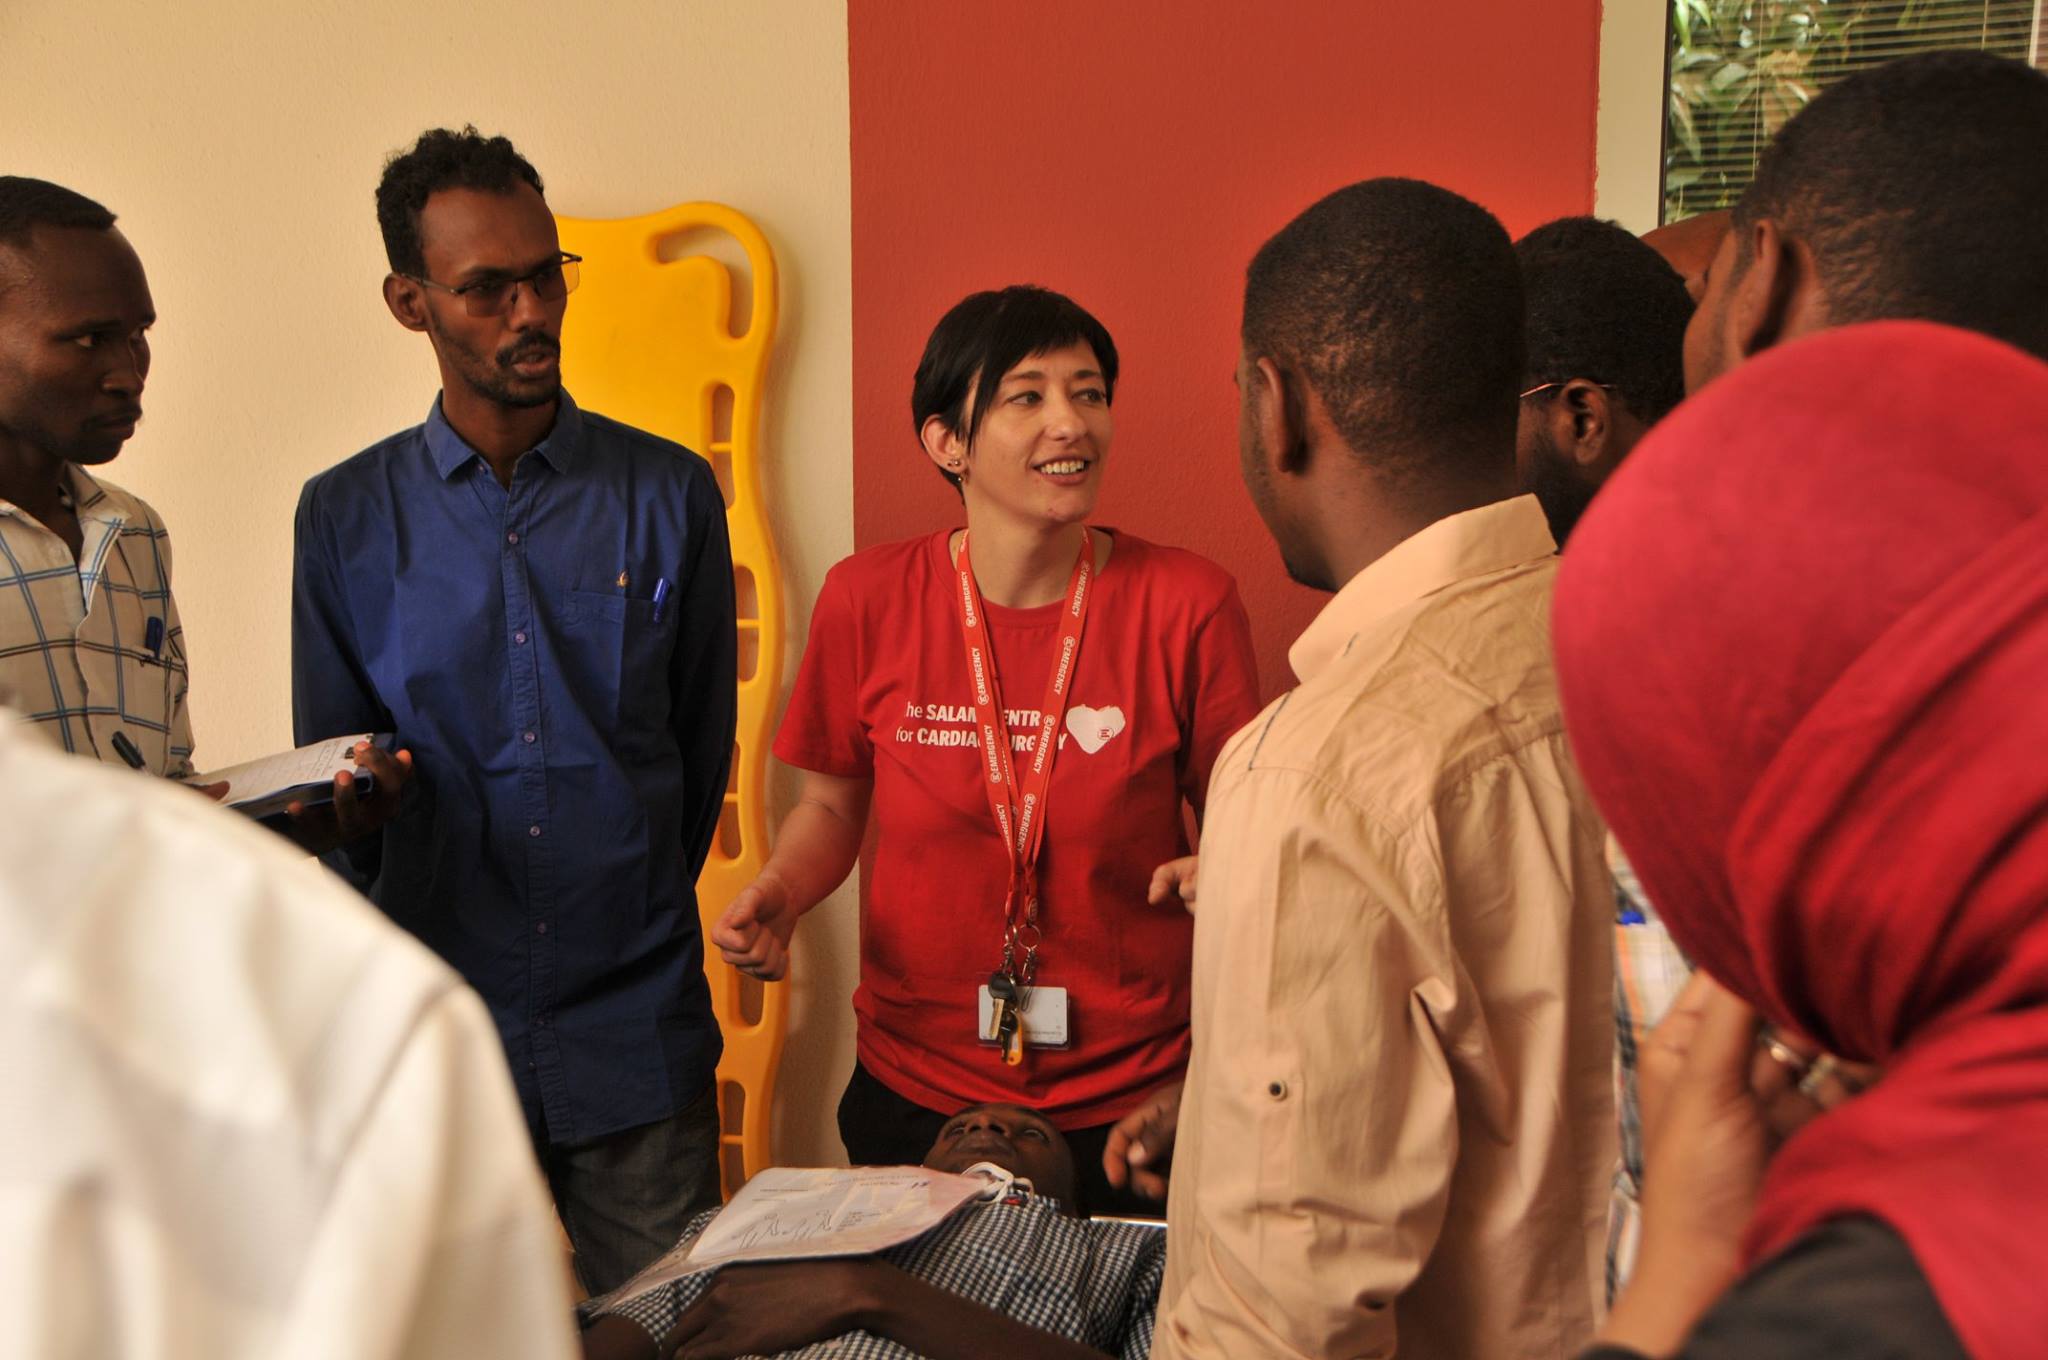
<point x="1012" y="1035"/>
<point x="1002" y="990"/>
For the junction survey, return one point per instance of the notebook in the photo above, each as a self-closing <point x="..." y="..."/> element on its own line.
<point x="263" y="788"/>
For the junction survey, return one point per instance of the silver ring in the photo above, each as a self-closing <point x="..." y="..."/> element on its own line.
<point x="1785" y="1056"/>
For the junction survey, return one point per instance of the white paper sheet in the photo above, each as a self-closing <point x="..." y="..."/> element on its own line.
<point x="795" y="1213"/>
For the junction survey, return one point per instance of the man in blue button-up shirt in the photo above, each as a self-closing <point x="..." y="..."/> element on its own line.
<point x="540" y="602"/>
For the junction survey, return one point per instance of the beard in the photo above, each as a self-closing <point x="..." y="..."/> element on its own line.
<point x="494" y="378"/>
<point x="1558" y="487"/>
<point x="503" y="385"/>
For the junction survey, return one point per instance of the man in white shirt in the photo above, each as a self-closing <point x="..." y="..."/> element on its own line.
<point x="244" y="1115"/>
<point x="1397" y="1124"/>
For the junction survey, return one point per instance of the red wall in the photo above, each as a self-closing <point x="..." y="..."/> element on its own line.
<point x="1134" y="153"/>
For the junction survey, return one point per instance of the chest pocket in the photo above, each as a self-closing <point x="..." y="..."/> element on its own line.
<point x="620" y="653"/>
<point x="169" y="656"/>
<point x="127" y="623"/>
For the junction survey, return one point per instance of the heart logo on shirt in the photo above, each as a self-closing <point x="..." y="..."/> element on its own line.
<point x="1093" y="727"/>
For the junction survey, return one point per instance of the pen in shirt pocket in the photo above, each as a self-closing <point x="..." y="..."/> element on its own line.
<point x="126" y="749"/>
<point x="660" y="597"/>
<point x="153" y="641"/>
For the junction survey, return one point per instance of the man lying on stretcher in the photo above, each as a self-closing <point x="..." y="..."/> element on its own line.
<point x="1022" y="1274"/>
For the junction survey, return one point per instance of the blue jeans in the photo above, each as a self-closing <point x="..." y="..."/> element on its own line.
<point x="624" y="1198"/>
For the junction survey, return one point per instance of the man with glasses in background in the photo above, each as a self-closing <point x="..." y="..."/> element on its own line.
<point x="540" y="602"/>
<point x="1605" y="325"/>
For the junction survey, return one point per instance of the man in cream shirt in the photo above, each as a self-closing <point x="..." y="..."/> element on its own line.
<point x="1398" y="1118"/>
<point x="244" y="1116"/>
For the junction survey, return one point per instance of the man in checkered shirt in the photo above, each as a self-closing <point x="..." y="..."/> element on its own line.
<point x="91" y="650"/>
<point x="1020" y="1276"/>
<point x="90" y="645"/>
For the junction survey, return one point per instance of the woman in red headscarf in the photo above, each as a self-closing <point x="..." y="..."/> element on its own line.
<point x="1802" y="639"/>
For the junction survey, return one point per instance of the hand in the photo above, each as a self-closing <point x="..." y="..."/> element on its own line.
<point x="1705" y="1136"/>
<point x="753" y="932"/>
<point x="1706" y="1142"/>
<point x="349" y="817"/>
<point x="1174" y="876"/>
<point x="1803" y="1084"/>
<point x="779" y="1306"/>
<point x="1140" y="1147"/>
<point x="612" y="1337"/>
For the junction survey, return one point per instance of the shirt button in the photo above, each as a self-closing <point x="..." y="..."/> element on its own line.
<point x="512" y="538"/>
<point x="541" y="929"/>
<point x="533" y="830"/>
<point x="527" y="737"/>
<point x="519" y="638"/>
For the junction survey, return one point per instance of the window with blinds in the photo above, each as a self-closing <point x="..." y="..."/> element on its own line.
<point x="1740" y="68"/>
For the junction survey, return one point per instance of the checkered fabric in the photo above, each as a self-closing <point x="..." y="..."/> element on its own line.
<point x="1649" y="973"/>
<point x="1091" y="1281"/>
<point x="93" y="647"/>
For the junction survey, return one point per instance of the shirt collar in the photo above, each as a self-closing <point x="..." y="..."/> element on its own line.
<point x="88" y="497"/>
<point x="1456" y="548"/>
<point x="564" y="443"/>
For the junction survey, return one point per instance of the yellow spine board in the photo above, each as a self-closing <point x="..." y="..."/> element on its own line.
<point x="652" y="339"/>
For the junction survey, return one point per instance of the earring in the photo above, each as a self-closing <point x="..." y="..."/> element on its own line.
<point x="952" y="462"/>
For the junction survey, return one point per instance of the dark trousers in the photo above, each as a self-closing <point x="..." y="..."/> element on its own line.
<point x="625" y="1197"/>
<point x="881" y="1128"/>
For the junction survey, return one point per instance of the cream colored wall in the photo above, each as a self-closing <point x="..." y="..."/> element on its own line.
<point x="240" y="142"/>
<point x="1629" y="177"/>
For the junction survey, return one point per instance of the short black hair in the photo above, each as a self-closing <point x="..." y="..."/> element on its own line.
<point x="1922" y="188"/>
<point x="984" y="336"/>
<point x="26" y="204"/>
<point x="1400" y="303"/>
<point x="1603" y="306"/>
<point x="439" y="160"/>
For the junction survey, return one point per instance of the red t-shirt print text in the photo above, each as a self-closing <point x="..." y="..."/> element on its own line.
<point x="953" y="725"/>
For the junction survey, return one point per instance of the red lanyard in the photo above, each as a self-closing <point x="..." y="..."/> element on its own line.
<point x="1020" y="810"/>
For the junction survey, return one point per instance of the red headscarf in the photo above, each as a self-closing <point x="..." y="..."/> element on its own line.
<point x="1803" y="643"/>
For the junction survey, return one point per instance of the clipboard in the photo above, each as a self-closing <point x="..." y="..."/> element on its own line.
<point x="262" y="789"/>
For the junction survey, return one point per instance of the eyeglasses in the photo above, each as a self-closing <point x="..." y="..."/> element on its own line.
<point x="493" y="295"/>
<point x="1545" y="387"/>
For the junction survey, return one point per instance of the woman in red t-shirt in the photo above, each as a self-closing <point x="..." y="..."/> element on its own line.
<point x="1133" y="661"/>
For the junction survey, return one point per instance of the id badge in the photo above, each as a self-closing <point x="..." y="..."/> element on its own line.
<point x="1045" y="1017"/>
